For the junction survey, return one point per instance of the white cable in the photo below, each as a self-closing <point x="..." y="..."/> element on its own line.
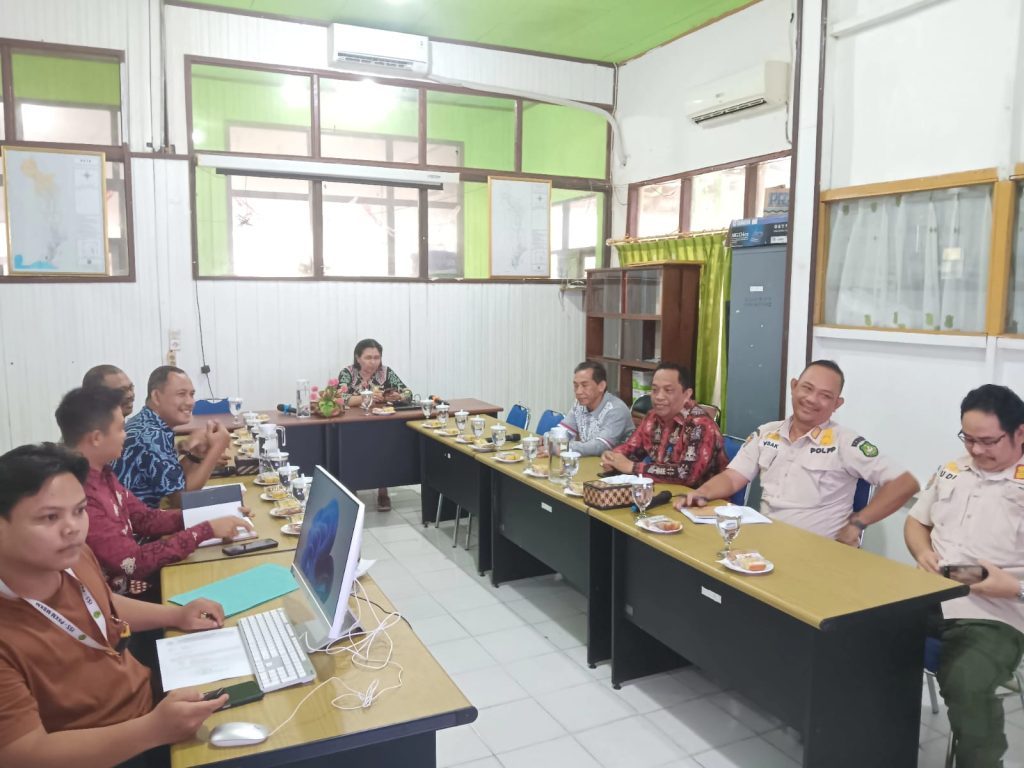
<point x="361" y="652"/>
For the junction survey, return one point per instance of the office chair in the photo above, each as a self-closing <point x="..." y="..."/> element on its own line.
<point x="932" y="648"/>
<point x="732" y="447"/>
<point x="208" y="407"/>
<point x="549" y="419"/>
<point x="640" y="408"/>
<point x="518" y="416"/>
<point x="861" y="495"/>
<point x="713" y="411"/>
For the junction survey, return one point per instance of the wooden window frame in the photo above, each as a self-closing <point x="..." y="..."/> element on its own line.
<point x="479" y="175"/>
<point x="686" y="191"/>
<point x="113" y="153"/>
<point x="1000" y="249"/>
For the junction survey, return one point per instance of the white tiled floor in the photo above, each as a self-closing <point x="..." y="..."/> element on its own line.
<point x="518" y="654"/>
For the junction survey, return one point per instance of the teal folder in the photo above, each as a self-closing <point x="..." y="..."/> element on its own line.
<point x="244" y="590"/>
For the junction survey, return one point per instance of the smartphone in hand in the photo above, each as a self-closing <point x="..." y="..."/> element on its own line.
<point x="245" y="548"/>
<point x="965" y="574"/>
<point x="239" y="694"/>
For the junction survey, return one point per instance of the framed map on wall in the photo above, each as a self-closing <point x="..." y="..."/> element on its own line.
<point x="56" y="212"/>
<point x="520" y="217"/>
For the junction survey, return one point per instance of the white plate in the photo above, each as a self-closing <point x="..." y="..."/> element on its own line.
<point x="285" y="513"/>
<point x="267" y="497"/>
<point x="539" y="475"/>
<point x="263" y="483"/>
<point x="733" y="567"/>
<point x="449" y="431"/>
<point x="464" y="440"/>
<point x="648" y="524"/>
<point x="291" y="529"/>
<point x="512" y="459"/>
<point x="570" y="491"/>
<point x="431" y="424"/>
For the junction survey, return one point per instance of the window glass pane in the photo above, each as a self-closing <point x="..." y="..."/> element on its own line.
<point x="717" y="199"/>
<point x="915" y="261"/>
<point x="482" y="126"/>
<point x="457" y="231"/>
<point x="251" y="228"/>
<point x="1015" y="305"/>
<point x="117" y="221"/>
<point x="70" y="99"/>
<point x="771" y="175"/>
<point x="564" y="141"/>
<point x="577" y="230"/>
<point x="659" y="209"/>
<point x="369" y="231"/>
<point x="255" y="139"/>
<point x="365" y="109"/>
<point x="225" y="97"/>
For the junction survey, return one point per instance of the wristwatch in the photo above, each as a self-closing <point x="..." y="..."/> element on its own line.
<point x="192" y="457"/>
<point x="857" y="523"/>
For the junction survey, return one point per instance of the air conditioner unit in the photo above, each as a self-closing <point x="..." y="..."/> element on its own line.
<point x="378" y="51"/>
<point x="752" y="90"/>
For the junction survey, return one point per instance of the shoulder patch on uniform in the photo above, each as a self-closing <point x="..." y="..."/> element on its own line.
<point x="826" y="437"/>
<point x="868" y="449"/>
<point x="953" y="467"/>
<point x="1018" y="473"/>
<point x="750" y="437"/>
<point x="857" y="441"/>
<point x="773" y="436"/>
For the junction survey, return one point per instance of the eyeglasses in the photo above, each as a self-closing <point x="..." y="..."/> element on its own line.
<point x="985" y="442"/>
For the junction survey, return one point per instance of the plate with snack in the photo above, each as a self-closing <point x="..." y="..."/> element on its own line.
<point x="383" y="411"/>
<point x="750" y="563"/>
<point x="263" y="418"/>
<point x="266" y="479"/>
<point x="660" y="524"/>
<point x="431" y="424"/>
<point x="574" y="489"/>
<point x="274" y="493"/>
<point x="294" y="528"/>
<point x="464" y="439"/>
<point x="449" y="432"/>
<point x="482" y="445"/>
<point x="508" y="457"/>
<point x="541" y="472"/>
<point x="285" y="508"/>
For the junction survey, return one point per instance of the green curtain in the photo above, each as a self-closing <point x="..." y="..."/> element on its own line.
<point x="712" y="344"/>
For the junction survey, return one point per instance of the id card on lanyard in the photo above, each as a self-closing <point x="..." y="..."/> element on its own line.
<point x="68" y="627"/>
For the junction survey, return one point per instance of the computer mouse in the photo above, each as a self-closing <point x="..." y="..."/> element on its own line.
<point x="238" y="734"/>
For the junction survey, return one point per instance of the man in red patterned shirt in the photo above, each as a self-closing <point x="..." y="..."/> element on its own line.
<point x="92" y="423"/>
<point x="677" y="442"/>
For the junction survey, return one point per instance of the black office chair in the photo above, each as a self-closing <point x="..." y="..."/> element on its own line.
<point x="640" y="408"/>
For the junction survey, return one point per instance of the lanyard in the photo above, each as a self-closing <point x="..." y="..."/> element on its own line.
<point x="69" y="627"/>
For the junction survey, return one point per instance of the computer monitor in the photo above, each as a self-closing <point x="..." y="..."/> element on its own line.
<point x="326" y="559"/>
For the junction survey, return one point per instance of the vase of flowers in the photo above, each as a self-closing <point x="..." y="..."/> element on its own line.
<point x="330" y="401"/>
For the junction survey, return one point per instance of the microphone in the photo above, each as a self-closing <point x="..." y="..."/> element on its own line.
<point x="286" y="408"/>
<point x="514" y="438"/>
<point x="662" y="498"/>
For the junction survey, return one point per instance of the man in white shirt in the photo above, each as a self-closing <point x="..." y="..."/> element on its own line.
<point x="972" y="513"/>
<point x="809" y="465"/>
<point x="598" y="420"/>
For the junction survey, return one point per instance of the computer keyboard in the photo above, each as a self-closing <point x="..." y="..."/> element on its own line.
<point x="278" y="659"/>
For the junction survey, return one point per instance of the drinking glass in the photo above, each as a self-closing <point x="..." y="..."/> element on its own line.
<point x="300" y="488"/>
<point x="530" y="446"/>
<point x="477" y="425"/>
<point x="728" y="524"/>
<point x="570" y="465"/>
<point x="285" y="473"/>
<point x="498" y="435"/>
<point x="461" y="417"/>
<point x="426" y="404"/>
<point x="442" y="414"/>
<point x="235" y="406"/>
<point x="643" y="492"/>
<point x="367" y="395"/>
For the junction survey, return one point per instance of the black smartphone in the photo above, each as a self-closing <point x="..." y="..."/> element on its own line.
<point x="965" y="574"/>
<point x="240" y="694"/>
<point x="246" y="547"/>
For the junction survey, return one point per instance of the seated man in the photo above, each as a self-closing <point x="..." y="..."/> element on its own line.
<point x="113" y="377"/>
<point x="809" y="465"/>
<point x="149" y="466"/>
<point x="70" y="694"/>
<point x="972" y="512"/>
<point x="91" y="423"/>
<point x="598" y="420"/>
<point x="677" y="442"/>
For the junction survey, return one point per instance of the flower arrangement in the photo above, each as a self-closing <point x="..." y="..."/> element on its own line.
<point x="330" y="400"/>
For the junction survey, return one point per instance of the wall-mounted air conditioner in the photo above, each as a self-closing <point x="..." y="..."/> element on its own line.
<point x="377" y="51"/>
<point x="753" y="90"/>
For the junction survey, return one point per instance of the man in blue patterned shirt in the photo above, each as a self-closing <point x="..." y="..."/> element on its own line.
<point x="149" y="465"/>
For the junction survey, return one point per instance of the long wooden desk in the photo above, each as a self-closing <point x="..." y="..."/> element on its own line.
<point x="397" y="731"/>
<point x="362" y="451"/>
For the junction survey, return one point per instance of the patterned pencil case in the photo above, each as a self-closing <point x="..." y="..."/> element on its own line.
<point x="601" y="495"/>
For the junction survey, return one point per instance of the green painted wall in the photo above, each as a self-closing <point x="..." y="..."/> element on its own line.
<point x="66" y="80"/>
<point x="564" y="141"/>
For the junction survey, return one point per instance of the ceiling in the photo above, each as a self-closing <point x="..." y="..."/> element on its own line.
<point x="602" y="30"/>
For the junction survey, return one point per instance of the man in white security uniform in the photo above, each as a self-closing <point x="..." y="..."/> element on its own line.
<point x="809" y="465"/>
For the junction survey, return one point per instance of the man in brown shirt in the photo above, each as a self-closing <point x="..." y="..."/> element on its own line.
<point x="70" y="694"/>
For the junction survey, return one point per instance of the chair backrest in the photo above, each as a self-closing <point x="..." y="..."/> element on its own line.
<point x="861" y="495"/>
<point x="206" y="407"/>
<point x="713" y="411"/>
<point x="518" y="416"/>
<point x="640" y="408"/>
<point x="549" y="419"/>
<point x="732" y="446"/>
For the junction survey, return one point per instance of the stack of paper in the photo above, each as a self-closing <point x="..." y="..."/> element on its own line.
<point x="213" y="502"/>
<point x="706" y="515"/>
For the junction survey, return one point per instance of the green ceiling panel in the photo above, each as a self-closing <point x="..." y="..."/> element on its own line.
<point x="603" y="30"/>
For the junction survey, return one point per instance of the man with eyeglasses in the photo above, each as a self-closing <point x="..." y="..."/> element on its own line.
<point x="972" y="513"/>
<point x="809" y="465"/>
<point x="112" y="377"/>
